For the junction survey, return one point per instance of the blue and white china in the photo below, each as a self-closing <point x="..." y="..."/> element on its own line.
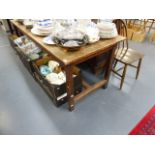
<point x="45" y="70"/>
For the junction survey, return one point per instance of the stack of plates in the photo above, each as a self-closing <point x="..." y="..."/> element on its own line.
<point x="28" y="23"/>
<point x="91" y="30"/>
<point x="42" y="27"/>
<point x="107" y="29"/>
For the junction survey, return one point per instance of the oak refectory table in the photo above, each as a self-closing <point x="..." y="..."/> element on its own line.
<point x="69" y="59"/>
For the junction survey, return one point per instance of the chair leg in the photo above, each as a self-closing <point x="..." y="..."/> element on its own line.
<point x="115" y="63"/>
<point x="123" y="76"/>
<point x="138" y="68"/>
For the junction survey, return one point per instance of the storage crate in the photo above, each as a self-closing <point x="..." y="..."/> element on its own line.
<point x="26" y="45"/>
<point x="24" y="58"/>
<point x="57" y="92"/>
<point x="11" y="40"/>
<point x="98" y="64"/>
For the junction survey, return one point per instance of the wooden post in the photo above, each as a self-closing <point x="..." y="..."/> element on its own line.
<point x="69" y="87"/>
<point x="138" y="68"/>
<point x="109" y="65"/>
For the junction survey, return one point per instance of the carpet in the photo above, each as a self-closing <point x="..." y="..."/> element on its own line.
<point x="147" y="125"/>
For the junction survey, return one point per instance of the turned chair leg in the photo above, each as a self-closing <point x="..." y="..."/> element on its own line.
<point x="123" y="76"/>
<point x="138" y="68"/>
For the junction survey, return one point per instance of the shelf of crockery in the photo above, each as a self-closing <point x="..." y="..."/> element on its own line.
<point x="25" y="60"/>
<point x="57" y="93"/>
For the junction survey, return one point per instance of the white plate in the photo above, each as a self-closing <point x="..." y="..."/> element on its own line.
<point x="48" y="40"/>
<point x="34" y="31"/>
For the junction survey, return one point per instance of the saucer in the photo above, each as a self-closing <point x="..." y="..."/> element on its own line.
<point x="49" y="40"/>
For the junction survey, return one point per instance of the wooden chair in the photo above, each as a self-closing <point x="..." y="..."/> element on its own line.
<point x="136" y="29"/>
<point x="125" y="55"/>
<point x="153" y="37"/>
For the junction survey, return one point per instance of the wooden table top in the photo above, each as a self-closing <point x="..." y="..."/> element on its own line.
<point x="70" y="57"/>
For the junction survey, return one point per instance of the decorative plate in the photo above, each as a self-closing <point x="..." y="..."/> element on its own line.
<point x="63" y="43"/>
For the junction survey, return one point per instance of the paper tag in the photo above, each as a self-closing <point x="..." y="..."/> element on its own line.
<point x="61" y="96"/>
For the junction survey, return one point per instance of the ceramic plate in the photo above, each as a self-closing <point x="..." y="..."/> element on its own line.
<point x="34" y="31"/>
<point x="48" y="40"/>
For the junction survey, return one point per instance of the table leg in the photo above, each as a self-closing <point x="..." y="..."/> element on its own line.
<point x="10" y="26"/>
<point x="109" y="65"/>
<point x="16" y="31"/>
<point x="69" y="87"/>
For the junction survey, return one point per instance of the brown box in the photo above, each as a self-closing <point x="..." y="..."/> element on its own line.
<point x="57" y="92"/>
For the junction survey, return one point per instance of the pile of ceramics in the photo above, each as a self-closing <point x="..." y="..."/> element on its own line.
<point x="29" y="48"/>
<point x="52" y="72"/>
<point x="88" y="28"/>
<point x="70" y="29"/>
<point x="78" y="30"/>
<point x="107" y="29"/>
<point x="42" y="27"/>
<point x="70" y="37"/>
